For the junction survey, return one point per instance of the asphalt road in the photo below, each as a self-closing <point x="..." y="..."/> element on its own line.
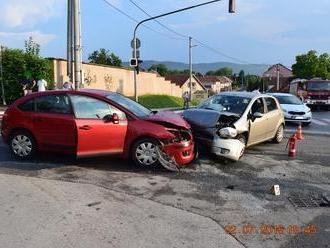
<point x="234" y="195"/>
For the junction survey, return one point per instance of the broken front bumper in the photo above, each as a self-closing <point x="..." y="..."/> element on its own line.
<point x="181" y="152"/>
<point x="227" y="148"/>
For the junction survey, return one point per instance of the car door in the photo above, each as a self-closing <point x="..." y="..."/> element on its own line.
<point x="53" y="123"/>
<point x="257" y="126"/>
<point x="273" y="116"/>
<point x="96" y="136"/>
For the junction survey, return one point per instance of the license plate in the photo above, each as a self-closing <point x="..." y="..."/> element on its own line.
<point x="298" y="117"/>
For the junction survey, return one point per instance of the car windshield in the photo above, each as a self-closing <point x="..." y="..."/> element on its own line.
<point x="222" y="103"/>
<point x="131" y="105"/>
<point x="289" y="100"/>
<point x="318" y="86"/>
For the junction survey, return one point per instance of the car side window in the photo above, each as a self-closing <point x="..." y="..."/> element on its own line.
<point x="27" y="106"/>
<point x="56" y="104"/>
<point x="271" y="104"/>
<point x="90" y="108"/>
<point x="258" y="106"/>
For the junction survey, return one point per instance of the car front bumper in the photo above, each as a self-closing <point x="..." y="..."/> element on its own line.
<point x="307" y="118"/>
<point x="227" y="148"/>
<point x="182" y="152"/>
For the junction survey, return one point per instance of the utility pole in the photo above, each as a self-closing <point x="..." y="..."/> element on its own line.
<point x="77" y="44"/>
<point x="2" y="80"/>
<point x="70" y="54"/>
<point x="278" y="77"/>
<point x="190" y="69"/>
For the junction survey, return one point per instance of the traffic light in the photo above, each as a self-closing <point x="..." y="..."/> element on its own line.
<point x="133" y="62"/>
<point x="232" y="6"/>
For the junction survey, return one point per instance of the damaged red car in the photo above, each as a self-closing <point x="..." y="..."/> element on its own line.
<point x="96" y="122"/>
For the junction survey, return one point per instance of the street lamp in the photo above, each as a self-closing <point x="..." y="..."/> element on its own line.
<point x="231" y="10"/>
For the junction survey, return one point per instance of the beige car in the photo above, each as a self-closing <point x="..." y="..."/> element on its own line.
<point x="229" y="122"/>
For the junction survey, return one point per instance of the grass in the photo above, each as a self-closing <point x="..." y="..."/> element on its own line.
<point x="162" y="101"/>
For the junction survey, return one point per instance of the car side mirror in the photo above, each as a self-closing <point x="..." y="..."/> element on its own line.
<point x="254" y="116"/>
<point x="114" y="118"/>
<point x="257" y="115"/>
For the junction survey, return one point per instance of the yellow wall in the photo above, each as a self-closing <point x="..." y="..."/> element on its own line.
<point x="117" y="79"/>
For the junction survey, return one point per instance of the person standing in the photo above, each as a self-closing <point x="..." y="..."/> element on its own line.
<point x="185" y="97"/>
<point x="67" y="86"/>
<point x="42" y="85"/>
<point x="28" y="87"/>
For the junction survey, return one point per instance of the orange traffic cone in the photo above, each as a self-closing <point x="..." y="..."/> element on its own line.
<point x="299" y="134"/>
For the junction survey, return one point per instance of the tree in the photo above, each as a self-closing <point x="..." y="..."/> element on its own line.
<point x="19" y="65"/>
<point x="311" y="65"/>
<point x="104" y="57"/>
<point x="160" y="68"/>
<point x="254" y="82"/>
<point x="225" y="71"/>
<point x="31" y="47"/>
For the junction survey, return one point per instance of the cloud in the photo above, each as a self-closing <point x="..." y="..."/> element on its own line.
<point x="37" y="36"/>
<point x="27" y="13"/>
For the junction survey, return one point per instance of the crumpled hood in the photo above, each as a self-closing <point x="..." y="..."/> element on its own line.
<point x="297" y="108"/>
<point x="205" y="118"/>
<point x="169" y="117"/>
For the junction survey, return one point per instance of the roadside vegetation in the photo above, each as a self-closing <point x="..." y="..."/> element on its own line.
<point x="162" y="101"/>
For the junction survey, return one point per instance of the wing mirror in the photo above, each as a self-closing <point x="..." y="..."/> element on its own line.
<point x="114" y="118"/>
<point x="255" y="115"/>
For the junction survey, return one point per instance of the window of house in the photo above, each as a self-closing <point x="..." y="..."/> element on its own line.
<point x="91" y="108"/>
<point x="58" y="104"/>
<point x="271" y="104"/>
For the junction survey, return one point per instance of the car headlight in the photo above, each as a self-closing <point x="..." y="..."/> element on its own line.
<point x="308" y="111"/>
<point x="285" y="111"/>
<point x="228" y="132"/>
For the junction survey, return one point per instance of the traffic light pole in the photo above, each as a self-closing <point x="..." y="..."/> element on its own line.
<point x="231" y="5"/>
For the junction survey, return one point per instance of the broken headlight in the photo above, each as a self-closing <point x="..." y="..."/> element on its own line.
<point x="227" y="132"/>
<point x="179" y="135"/>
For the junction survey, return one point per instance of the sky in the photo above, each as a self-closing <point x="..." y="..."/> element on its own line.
<point x="261" y="31"/>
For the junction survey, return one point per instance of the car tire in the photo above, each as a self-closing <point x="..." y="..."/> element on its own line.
<point x="22" y="145"/>
<point x="279" y="134"/>
<point x="144" y="152"/>
<point x="242" y="138"/>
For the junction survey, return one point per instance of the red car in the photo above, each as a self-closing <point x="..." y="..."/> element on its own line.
<point x="96" y="122"/>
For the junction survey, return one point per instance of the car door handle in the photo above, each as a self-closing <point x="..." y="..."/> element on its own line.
<point x="85" y="127"/>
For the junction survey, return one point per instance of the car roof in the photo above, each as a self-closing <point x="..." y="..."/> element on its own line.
<point x="242" y="94"/>
<point x="87" y="92"/>
<point x="280" y="94"/>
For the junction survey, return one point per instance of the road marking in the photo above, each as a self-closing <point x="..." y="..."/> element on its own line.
<point x="321" y="122"/>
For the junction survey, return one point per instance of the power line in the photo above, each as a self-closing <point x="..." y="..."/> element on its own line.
<point x="161" y="24"/>
<point x="134" y="20"/>
<point x="203" y="44"/>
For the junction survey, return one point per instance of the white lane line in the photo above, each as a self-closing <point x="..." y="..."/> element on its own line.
<point x="321" y="122"/>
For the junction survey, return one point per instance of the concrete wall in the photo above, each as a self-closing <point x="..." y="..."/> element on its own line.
<point x="117" y="79"/>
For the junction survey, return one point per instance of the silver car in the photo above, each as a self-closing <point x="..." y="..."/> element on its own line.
<point x="229" y="122"/>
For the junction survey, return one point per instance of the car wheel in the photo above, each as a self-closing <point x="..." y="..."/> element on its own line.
<point x="279" y="134"/>
<point x="22" y="145"/>
<point x="144" y="152"/>
<point x="242" y="139"/>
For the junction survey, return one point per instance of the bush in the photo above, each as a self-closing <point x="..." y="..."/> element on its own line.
<point x="19" y="66"/>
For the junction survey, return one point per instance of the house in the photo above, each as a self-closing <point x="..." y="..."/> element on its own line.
<point x="183" y="82"/>
<point x="277" y="73"/>
<point x="216" y="83"/>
